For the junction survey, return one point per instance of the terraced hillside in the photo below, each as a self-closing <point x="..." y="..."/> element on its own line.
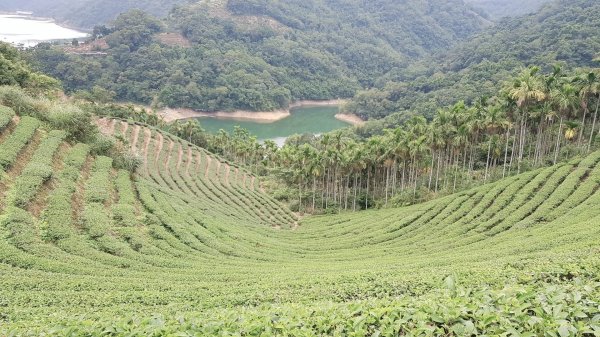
<point x="192" y="247"/>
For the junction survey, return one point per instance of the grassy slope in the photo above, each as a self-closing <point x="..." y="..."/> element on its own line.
<point x="184" y="239"/>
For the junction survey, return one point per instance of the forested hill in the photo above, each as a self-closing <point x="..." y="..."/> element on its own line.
<point x="565" y="31"/>
<point x="261" y="55"/>
<point x="502" y="8"/>
<point x="88" y="13"/>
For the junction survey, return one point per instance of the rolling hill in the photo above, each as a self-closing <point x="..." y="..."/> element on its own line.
<point x="190" y="245"/>
<point x="562" y="32"/>
<point x="261" y="55"/>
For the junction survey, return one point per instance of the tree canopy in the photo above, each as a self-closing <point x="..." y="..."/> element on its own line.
<point x="261" y="55"/>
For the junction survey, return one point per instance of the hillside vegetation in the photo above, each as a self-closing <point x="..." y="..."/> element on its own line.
<point x="95" y="251"/>
<point x="502" y="8"/>
<point x="261" y="55"/>
<point x="563" y="32"/>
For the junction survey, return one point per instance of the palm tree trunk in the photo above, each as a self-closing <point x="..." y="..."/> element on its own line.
<point x="512" y="153"/>
<point x="416" y="169"/>
<point x="593" y="125"/>
<point x="346" y="193"/>
<point x="300" y="195"/>
<point x="456" y="158"/>
<point x="487" y="162"/>
<point x="580" y="139"/>
<point x="355" y="188"/>
<point x="431" y="169"/>
<point x="367" y="195"/>
<point x="506" y="152"/>
<point x="314" y="192"/>
<point x="402" y="182"/>
<point x="557" y="149"/>
<point x="437" y="174"/>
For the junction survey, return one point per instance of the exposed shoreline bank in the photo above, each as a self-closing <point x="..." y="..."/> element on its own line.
<point x="351" y="119"/>
<point x="171" y="114"/>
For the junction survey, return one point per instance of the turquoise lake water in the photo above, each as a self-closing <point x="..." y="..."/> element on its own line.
<point x="315" y="120"/>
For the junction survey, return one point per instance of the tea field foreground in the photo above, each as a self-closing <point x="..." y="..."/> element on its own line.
<point x="191" y="246"/>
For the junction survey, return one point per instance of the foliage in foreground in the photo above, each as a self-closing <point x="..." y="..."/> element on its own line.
<point x="529" y="309"/>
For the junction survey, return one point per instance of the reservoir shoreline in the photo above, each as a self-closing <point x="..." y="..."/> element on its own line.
<point x="267" y="117"/>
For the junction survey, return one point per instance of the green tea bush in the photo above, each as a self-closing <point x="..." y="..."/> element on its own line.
<point x="58" y="214"/>
<point x="37" y="171"/>
<point x="77" y="123"/>
<point x="98" y="186"/>
<point x="11" y="147"/>
<point x="20" y="225"/>
<point x="96" y="220"/>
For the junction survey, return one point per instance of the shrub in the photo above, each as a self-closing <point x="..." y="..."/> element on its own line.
<point x="10" y="149"/>
<point x="124" y="215"/>
<point x="97" y="187"/>
<point x="6" y="116"/>
<point x="102" y="145"/>
<point x="18" y="100"/>
<point x="76" y="122"/>
<point x="95" y="219"/>
<point x="128" y="161"/>
<point x="20" y="225"/>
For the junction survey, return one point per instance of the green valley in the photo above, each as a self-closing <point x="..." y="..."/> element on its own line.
<point x="467" y="204"/>
<point x="191" y="245"/>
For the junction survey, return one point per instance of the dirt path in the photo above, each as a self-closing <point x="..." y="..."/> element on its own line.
<point x="147" y="139"/>
<point x="179" y="156"/>
<point x="124" y="128"/>
<point x="227" y="171"/>
<point x="237" y="174"/>
<point x="252" y="182"/>
<point x="190" y="158"/>
<point x="198" y="162"/>
<point x="106" y="125"/>
<point x="159" y="146"/>
<point x="218" y="169"/>
<point x="169" y="154"/>
<point x="136" y="134"/>
<point x="208" y="161"/>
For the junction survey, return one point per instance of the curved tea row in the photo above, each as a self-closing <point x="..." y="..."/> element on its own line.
<point x="193" y="233"/>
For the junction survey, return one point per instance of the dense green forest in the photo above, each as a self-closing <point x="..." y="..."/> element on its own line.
<point x="563" y="32"/>
<point x="88" y="13"/>
<point x="497" y="9"/>
<point x="260" y="55"/>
